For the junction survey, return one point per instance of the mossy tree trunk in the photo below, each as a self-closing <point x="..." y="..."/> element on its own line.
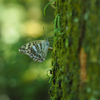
<point x="76" y="50"/>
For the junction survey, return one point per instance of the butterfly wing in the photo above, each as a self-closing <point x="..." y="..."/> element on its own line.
<point x="25" y="49"/>
<point x="36" y="50"/>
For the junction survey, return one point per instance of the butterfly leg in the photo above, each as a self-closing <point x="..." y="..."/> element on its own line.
<point x="50" y="48"/>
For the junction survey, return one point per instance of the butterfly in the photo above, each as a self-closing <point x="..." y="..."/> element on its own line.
<point x="36" y="49"/>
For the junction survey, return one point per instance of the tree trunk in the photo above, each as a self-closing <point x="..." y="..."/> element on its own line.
<point x="76" y="50"/>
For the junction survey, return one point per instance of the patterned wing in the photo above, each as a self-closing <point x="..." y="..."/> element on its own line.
<point x="36" y="50"/>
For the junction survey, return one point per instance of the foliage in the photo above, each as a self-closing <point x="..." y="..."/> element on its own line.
<point x="20" y="77"/>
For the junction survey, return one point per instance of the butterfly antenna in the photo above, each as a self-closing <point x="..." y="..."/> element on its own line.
<point x="44" y="32"/>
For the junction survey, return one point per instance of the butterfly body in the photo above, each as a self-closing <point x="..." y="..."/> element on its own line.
<point x="36" y="49"/>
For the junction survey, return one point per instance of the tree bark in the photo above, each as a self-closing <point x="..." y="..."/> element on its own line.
<point x="76" y="50"/>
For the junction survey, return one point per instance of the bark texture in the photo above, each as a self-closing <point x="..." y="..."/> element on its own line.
<point x="76" y="50"/>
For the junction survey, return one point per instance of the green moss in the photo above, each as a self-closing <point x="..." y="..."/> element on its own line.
<point x="76" y="25"/>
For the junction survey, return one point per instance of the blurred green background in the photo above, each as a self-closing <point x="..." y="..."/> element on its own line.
<point x="22" y="21"/>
